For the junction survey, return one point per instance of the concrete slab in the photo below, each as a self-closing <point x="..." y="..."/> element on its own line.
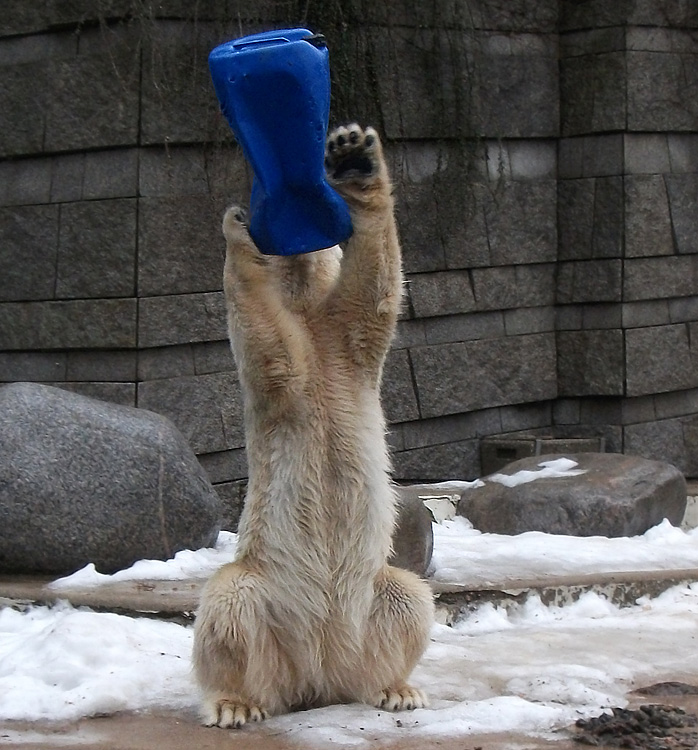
<point x="181" y="732"/>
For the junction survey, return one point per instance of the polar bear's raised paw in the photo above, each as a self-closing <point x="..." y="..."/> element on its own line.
<point x="352" y="153"/>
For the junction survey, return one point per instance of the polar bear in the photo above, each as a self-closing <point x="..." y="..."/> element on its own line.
<point x="310" y="613"/>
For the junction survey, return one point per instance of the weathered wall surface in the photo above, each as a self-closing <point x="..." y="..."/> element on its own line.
<point x="545" y="154"/>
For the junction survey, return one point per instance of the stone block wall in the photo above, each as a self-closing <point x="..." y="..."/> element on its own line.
<point x="545" y="156"/>
<point x="627" y="208"/>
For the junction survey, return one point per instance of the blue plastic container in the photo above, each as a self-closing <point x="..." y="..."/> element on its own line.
<point x="274" y="90"/>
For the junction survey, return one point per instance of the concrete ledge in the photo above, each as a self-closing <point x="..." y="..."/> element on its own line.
<point x="180" y="598"/>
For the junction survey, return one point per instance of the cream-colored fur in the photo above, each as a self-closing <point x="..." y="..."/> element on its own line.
<point x="309" y="613"/>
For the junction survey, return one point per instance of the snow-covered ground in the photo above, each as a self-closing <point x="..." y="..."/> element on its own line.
<point x="529" y="668"/>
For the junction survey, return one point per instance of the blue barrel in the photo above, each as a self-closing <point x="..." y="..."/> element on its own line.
<point x="274" y="90"/>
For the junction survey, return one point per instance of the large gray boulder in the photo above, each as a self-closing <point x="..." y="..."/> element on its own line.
<point x="85" y="481"/>
<point x="413" y="538"/>
<point x="611" y="495"/>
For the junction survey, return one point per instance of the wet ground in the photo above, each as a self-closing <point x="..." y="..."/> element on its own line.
<point x="667" y="722"/>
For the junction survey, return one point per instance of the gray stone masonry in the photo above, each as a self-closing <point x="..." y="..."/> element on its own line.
<point x="545" y="161"/>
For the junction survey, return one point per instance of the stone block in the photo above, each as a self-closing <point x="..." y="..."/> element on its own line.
<point x="608" y="238"/>
<point x="599" y="13"/>
<point x="19" y="18"/>
<point x="214" y="356"/>
<point x="166" y="362"/>
<point x="94" y="175"/>
<point x="178" y="101"/>
<point x="589" y="281"/>
<point x="28" y="238"/>
<point x="441" y="223"/>
<point x="409" y="333"/>
<point x="23" y="95"/>
<point x="80" y="11"/>
<point x="67" y="175"/>
<point x="410" y="84"/>
<point x="74" y="324"/>
<point x="591" y="14"/>
<point x="646" y="153"/>
<point x="662" y="91"/>
<point x="172" y="170"/>
<point x="442" y="83"/>
<point x="656" y="278"/>
<point x="599" y="412"/>
<point x="225" y="466"/>
<point x="525" y="417"/>
<point x="675" y="404"/>
<point x="521" y="221"/>
<point x="532" y="159"/>
<point x="576" y="218"/>
<point x="658" y="360"/>
<point x="438" y="463"/>
<point x="398" y="390"/>
<point x="569" y="317"/>
<point x="683" y="152"/>
<point x="592" y="93"/>
<point x="494" y="287"/>
<point x="670" y="440"/>
<point x="17" y="50"/>
<point x="97" y="249"/>
<point x="25" y="181"/>
<point x="639" y="409"/>
<point x="516" y="95"/>
<point x="590" y="363"/>
<point x="571" y="157"/>
<point x="32" y="366"/>
<point x="93" y="100"/>
<point x="181" y="319"/>
<point x="566" y="412"/>
<point x="445" y="293"/>
<point x="602" y="316"/>
<point x="83" y="481"/>
<point x="648" y="230"/>
<point x="611" y="495"/>
<point x="663" y="13"/>
<point x="644" y="314"/>
<point x="514" y="286"/>
<point x="503" y="15"/>
<point x="529" y="320"/>
<point x="683" y="310"/>
<point x="181" y="246"/>
<point x="467" y="327"/>
<point x="101" y="366"/>
<point x="454" y="378"/>
<point x="123" y="394"/>
<point x="592" y="42"/>
<point x="683" y="199"/>
<point x="451" y="428"/>
<point x="591" y="156"/>
<point x="207" y="409"/>
<point x="111" y="174"/>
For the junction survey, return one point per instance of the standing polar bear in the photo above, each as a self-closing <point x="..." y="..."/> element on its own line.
<point x="310" y="613"/>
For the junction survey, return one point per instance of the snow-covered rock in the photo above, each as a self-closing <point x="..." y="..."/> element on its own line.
<point x="588" y="494"/>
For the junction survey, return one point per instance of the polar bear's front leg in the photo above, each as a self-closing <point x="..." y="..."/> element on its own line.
<point x="369" y="290"/>
<point x="267" y="342"/>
